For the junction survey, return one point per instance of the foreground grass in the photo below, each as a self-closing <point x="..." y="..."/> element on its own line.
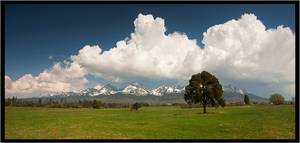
<point x="240" y="122"/>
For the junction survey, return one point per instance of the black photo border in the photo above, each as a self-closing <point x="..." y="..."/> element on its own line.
<point x="4" y="3"/>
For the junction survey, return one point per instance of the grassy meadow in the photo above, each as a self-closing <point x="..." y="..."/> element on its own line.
<point x="170" y="122"/>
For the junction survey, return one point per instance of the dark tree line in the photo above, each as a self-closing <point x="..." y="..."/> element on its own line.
<point x="63" y="103"/>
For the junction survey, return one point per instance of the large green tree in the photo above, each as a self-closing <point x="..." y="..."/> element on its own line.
<point x="204" y="88"/>
<point x="277" y="99"/>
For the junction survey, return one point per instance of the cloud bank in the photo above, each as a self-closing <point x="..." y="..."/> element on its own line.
<point x="239" y="49"/>
<point x="62" y="77"/>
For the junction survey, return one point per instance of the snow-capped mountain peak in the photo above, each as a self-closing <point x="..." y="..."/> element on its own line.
<point x="231" y="88"/>
<point x="107" y="90"/>
<point x="98" y="87"/>
<point x="136" y="89"/>
<point x="99" y="90"/>
<point x="161" y="90"/>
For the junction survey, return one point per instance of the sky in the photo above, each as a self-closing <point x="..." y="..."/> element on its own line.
<point x="50" y="48"/>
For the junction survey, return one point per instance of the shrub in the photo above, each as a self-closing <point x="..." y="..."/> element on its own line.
<point x="135" y="106"/>
<point x="277" y="99"/>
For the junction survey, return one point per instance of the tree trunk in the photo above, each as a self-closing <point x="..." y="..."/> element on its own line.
<point x="204" y="107"/>
<point x="204" y="101"/>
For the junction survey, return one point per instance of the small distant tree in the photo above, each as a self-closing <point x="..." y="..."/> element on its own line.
<point x="204" y="88"/>
<point x="96" y="104"/>
<point x="61" y="101"/>
<point x="9" y="101"/>
<point x="13" y="101"/>
<point x="40" y="102"/>
<point x="246" y="99"/>
<point x="293" y="100"/>
<point x="277" y="99"/>
<point x="135" y="106"/>
<point x="50" y="101"/>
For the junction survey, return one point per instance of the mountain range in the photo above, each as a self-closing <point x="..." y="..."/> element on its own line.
<point x="136" y="92"/>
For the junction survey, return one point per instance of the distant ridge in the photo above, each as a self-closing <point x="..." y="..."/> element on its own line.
<point x="136" y="92"/>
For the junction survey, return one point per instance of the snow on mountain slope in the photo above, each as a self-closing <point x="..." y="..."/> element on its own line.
<point x="99" y="90"/>
<point x="230" y="88"/>
<point x="161" y="90"/>
<point x="135" y="89"/>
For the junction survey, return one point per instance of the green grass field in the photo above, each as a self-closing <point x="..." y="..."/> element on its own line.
<point x="239" y="122"/>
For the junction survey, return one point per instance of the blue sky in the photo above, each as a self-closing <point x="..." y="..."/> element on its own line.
<point x="35" y="32"/>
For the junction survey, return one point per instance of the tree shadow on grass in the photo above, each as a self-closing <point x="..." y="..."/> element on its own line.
<point x="210" y="113"/>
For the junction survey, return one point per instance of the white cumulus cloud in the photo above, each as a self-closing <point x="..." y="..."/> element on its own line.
<point x="245" y="49"/>
<point x="149" y="53"/>
<point x="62" y="77"/>
<point x="239" y="49"/>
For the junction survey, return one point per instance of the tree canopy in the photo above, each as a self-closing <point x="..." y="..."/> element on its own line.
<point x="246" y="99"/>
<point x="277" y="99"/>
<point x="204" y="88"/>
